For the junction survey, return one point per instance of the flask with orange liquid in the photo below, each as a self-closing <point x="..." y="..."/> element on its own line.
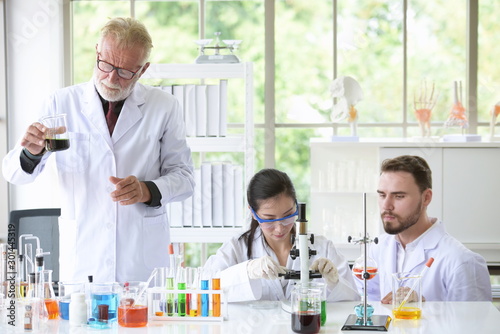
<point x="49" y="296"/>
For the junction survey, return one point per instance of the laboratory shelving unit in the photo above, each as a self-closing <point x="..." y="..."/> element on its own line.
<point x="231" y="143"/>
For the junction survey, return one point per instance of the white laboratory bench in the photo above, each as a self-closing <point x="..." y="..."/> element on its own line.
<point x="269" y="318"/>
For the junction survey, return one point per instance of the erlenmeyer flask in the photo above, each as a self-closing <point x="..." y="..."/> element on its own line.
<point x="48" y="295"/>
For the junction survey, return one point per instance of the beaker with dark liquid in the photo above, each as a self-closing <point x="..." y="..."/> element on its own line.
<point x="306" y="309"/>
<point x="56" y="135"/>
<point x="322" y="287"/>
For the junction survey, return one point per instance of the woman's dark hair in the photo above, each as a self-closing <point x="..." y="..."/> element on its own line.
<point x="265" y="184"/>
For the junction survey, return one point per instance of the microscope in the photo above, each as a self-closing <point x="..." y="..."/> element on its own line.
<point x="303" y="251"/>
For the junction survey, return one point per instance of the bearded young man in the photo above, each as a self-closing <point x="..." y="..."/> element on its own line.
<point x="127" y="159"/>
<point x="412" y="237"/>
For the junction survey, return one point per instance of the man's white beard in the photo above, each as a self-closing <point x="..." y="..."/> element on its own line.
<point x="117" y="93"/>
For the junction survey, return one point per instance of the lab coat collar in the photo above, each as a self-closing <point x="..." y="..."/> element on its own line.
<point x="428" y="242"/>
<point x="92" y="109"/>
<point x="130" y="114"/>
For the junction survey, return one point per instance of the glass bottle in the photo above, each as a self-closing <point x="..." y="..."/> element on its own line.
<point x="28" y="318"/>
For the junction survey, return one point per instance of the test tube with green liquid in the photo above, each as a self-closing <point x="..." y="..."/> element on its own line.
<point x="181" y="297"/>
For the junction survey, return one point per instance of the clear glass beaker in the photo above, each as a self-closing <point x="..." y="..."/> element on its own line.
<point x="322" y="287"/>
<point x="133" y="309"/>
<point x="104" y="303"/>
<point x="65" y="290"/>
<point x="406" y="295"/>
<point x="306" y="309"/>
<point x="56" y="135"/>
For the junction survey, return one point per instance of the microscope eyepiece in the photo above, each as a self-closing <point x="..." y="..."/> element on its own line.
<point x="302" y="213"/>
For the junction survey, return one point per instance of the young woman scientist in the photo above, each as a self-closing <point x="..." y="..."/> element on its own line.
<point x="249" y="265"/>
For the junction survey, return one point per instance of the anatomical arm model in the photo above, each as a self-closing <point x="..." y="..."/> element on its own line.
<point x="495" y="111"/>
<point x="423" y="105"/>
<point x="457" y="116"/>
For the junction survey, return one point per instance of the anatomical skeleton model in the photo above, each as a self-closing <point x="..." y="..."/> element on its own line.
<point x="348" y="92"/>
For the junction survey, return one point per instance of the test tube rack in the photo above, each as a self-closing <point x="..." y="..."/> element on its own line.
<point x="158" y="296"/>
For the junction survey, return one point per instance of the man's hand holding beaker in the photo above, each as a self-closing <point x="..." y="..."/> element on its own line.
<point x="34" y="138"/>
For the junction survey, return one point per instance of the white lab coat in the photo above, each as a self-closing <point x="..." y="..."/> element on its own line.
<point x="457" y="273"/>
<point x="231" y="261"/>
<point x="98" y="236"/>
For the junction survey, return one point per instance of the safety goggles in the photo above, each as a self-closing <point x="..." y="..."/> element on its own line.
<point x="272" y="223"/>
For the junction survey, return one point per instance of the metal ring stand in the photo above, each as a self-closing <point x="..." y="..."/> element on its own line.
<point x="375" y="322"/>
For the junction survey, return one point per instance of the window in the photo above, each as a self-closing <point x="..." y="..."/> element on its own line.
<point x="395" y="49"/>
<point x="488" y="69"/>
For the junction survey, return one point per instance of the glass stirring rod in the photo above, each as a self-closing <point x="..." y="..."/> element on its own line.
<point x="427" y="266"/>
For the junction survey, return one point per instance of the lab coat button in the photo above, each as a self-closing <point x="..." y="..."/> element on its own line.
<point x="110" y="226"/>
<point x="109" y="262"/>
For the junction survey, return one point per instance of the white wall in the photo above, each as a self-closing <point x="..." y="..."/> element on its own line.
<point x="3" y="123"/>
<point x="34" y="70"/>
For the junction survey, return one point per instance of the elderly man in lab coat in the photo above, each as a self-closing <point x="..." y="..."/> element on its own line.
<point x="116" y="177"/>
<point x="457" y="274"/>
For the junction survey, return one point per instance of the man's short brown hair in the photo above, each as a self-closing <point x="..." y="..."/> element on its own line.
<point x="412" y="164"/>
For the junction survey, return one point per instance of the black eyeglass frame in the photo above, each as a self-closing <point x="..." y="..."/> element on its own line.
<point x="119" y="70"/>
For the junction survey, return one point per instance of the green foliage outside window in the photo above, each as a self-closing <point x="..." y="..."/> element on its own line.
<point x="369" y="48"/>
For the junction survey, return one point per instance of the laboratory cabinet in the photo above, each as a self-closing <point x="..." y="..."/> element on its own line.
<point x="466" y="189"/>
<point x="241" y="142"/>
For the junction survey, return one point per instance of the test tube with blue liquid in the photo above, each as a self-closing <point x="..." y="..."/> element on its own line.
<point x="205" y="300"/>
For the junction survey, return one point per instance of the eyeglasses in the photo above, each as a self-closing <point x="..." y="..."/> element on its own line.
<point x="122" y="73"/>
<point x="272" y="223"/>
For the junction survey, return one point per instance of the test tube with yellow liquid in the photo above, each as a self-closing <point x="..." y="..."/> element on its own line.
<point x="216" y="297"/>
